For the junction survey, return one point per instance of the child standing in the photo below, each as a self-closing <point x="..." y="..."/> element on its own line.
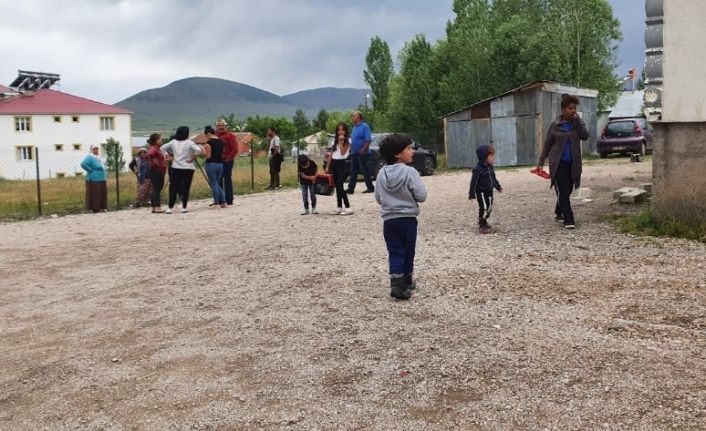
<point x="483" y="182"/>
<point x="306" y="168"/>
<point x="398" y="190"/>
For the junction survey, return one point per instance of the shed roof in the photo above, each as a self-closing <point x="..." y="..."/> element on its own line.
<point x="545" y="85"/>
<point x="48" y="101"/>
<point x="629" y="105"/>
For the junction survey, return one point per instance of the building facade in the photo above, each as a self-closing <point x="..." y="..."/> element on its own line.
<point x="55" y="130"/>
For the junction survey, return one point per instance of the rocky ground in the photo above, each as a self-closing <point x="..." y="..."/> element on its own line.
<point x="255" y="317"/>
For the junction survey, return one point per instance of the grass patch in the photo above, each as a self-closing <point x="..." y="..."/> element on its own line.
<point x="644" y="223"/>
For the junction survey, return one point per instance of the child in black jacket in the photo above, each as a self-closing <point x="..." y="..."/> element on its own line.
<point x="483" y="182"/>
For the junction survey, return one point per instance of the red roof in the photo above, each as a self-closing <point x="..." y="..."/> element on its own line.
<point x="4" y="89"/>
<point x="47" y="101"/>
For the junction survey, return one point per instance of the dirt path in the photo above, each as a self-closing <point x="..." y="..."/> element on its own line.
<point x="223" y="319"/>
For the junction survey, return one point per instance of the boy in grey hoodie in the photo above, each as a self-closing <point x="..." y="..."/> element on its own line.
<point x="398" y="190"/>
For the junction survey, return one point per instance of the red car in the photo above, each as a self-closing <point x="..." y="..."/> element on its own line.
<point x="629" y="135"/>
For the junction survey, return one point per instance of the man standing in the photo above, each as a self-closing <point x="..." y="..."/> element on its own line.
<point x="360" y="153"/>
<point x="274" y="154"/>
<point x="230" y="152"/>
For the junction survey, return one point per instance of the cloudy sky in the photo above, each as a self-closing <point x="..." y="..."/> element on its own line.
<point x="108" y="50"/>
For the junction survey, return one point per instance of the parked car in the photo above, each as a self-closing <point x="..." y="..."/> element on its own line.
<point x="630" y="135"/>
<point x="424" y="160"/>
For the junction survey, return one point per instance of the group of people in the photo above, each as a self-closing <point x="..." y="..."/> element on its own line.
<point x="398" y="188"/>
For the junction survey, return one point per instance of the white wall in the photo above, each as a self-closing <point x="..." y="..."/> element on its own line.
<point x="46" y="133"/>
<point x="684" y="95"/>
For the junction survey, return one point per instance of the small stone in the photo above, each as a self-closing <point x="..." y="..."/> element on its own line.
<point x="115" y="360"/>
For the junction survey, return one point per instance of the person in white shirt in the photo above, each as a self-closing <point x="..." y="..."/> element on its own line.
<point x="337" y="166"/>
<point x="182" y="152"/>
<point x="274" y="153"/>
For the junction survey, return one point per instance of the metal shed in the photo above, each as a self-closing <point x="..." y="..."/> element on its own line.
<point x="515" y="123"/>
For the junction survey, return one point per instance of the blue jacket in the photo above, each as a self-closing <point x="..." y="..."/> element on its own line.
<point x="483" y="178"/>
<point x="94" y="169"/>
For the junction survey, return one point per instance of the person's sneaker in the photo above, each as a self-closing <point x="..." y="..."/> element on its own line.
<point x="314" y="211"/>
<point x="350" y="192"/>
<point x="569" y="226"/>
<point x="305" y="212"/>
<point x="269" y="188"/>
<point x="559" y="219"/>
<point x="337" y="211"/>
<point x="369" y="191"/>
<point x="168" y="211"/>
<point x="347" y="211"/>
<point x="184" y="211"/>
<point x="485" y="229"/>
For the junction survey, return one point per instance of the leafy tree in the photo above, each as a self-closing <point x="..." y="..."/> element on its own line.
<point x="114" y="155"/>
<point x="301" y="123"/>
<point x="379" y="72"/>
<point x="336" y="117"/>
<point x="258" y="126"/>
<point x="320" y="121"/>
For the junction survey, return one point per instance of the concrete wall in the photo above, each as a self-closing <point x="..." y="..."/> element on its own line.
<point x="679" y="170"/>
<point x="684" y="87"/>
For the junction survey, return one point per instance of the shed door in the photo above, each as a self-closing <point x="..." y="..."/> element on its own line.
<point x="504" y="139"/>
<point x="458" y="146"/>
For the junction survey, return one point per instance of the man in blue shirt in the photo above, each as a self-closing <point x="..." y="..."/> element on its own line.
<point x="360" y="153"/>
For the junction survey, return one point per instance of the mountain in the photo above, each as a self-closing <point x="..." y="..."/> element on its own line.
<point x="198" y="101"/>
<point x="329" y="98"/>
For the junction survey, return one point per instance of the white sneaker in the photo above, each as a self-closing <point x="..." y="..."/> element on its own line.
<point x="305" y="212"/>
<point x="168" y="211"/>
<point x="347" y="211"/>
<point x="313" y="210"/>
<point x="184" y="211"/>
<point x="338" y="211"/>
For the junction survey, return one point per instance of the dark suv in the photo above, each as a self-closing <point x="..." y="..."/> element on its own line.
<point x="424" y="160"/>
<point x="630" y="135"/>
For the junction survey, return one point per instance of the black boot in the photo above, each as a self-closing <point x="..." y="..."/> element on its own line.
<point x="409" y="282"/>
<point x="398" y="288"/>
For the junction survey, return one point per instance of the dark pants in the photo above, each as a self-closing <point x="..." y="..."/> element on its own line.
<point x="157" y="178"/>
<point x="401" y="239"/>
<point x="308" y="193"/>
<point x="338" y="168"/>
<point x="564" y="185"/>
<point x="485" y="207"/>
<point x="180" y="183"/>
<point x="275" y="167"/>
<point x="359" y="164"/>
<point x="227" y="181"/>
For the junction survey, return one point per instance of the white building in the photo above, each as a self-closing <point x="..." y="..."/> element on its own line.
<point x="56" y="128"/>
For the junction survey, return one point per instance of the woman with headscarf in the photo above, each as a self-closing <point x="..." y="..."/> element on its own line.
<point x="183" y="153"/>
<point x="96" y="186"/>
<point x="140" y="166"/>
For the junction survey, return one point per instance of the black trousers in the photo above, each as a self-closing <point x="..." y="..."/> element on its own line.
<point x="157" y="179"/>
<point x="180" y="183"/>
<point x="338" y="168"/>
<point x="227" y="181"/>
<point x="564" y="185"/>
<point x="275" y="167"/>
<point x="485" y="207"/>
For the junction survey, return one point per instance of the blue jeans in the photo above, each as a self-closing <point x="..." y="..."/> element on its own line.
<point x="214" y="172"/>
<point x="359" y="163"/>
<point x="308" y="191"/>
<point x="227" y="182"/>
<point x="401" y="240"/>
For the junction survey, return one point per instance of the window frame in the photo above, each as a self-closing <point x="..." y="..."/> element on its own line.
<point x="77" y="147"/>
<point x="102" y="120"/>
<point x="56" y="118"/>
<point x="75" y="119"/>
<point x="21" y="150"/>
<point x="28" y="123"/>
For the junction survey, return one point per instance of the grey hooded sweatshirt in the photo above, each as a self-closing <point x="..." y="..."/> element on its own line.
<point x="398" y="188"/>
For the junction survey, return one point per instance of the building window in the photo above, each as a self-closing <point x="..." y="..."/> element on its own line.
<point x="107" y="123"/>
<point x="25" y="154"/>
<point x="77" y="147"/>
<point x="74" y="118"/>
<point x="57" y="119"/>
<point x="61" y="174"/>
<point x="58" y="147"/>
<point x="23" y="124"/>
<point x="78" y="174"/>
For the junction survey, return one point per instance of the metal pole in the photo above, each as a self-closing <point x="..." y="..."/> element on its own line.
<point x="117" y="175"/>
<point x="39" y="186"/>
<point x="252" y="165"/>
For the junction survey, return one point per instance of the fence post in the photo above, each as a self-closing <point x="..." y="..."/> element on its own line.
<point x="117" y="175"/>
<point x="39" y="186"/>
<point x="252" y="165"/>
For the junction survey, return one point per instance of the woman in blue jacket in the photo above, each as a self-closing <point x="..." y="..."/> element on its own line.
<point x="96" y="187"/>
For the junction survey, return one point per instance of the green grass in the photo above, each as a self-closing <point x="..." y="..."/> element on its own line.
<point x="645" y="223"/>
<point x="18" y="199"/>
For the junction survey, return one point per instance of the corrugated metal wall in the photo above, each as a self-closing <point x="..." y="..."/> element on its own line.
<point x="458" y="145"/>
<point x="504" y="139"/>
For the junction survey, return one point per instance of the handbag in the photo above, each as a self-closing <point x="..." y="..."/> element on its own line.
<point x="323" y="184"/>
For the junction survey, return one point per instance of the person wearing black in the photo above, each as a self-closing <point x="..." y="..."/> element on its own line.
<point x="337" y="167"/>
<point x="483" y="182"/>
<point x="213" y="150"/>
<point x="306" y="168"/>
<point x="562" y="147"/>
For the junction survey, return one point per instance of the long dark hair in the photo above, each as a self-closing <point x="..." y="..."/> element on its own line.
<point x="182" y="133"/>
<point x="346" y="134"/>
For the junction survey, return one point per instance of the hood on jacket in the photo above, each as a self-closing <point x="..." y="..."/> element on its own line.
<point x="482" y="153"/>
<point x="393" y="177"/>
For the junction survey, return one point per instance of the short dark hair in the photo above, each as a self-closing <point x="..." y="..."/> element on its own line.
<point x="392" y="145"/>
<point x="274" y="129"/>
<point x="208" y="130"/>
<point x="154" y="137"/>
<point x="302" y="159"/>
<point x="182" y="133"/>
<point x="566" y="99"/>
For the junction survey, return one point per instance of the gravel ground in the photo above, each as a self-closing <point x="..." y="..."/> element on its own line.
<point x="255" y="317"/>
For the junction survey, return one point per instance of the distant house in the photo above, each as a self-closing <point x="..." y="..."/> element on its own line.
<point x="57" y="127"/>
<point x="245" y="140"/>
<point x="629" y="105"/>
<point x="515" y="123"/>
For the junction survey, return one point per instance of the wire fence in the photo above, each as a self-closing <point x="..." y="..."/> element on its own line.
<point x="44" y="181"/>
